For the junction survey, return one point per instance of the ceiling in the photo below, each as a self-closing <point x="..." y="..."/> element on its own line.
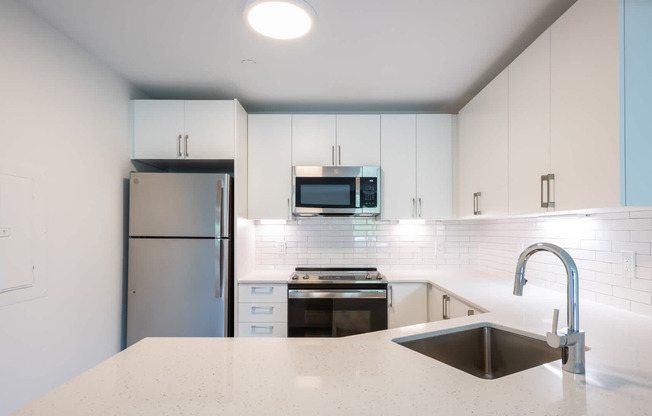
<point x="362" y="55"/>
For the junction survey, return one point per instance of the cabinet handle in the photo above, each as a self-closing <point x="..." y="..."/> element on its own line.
<point x="262" y="310"/>
<point x="445" y="299"/>
<point x="179" y="146"/>
<point x="548" y="202"/>
<point x="187" y="146"/>
<point x="262" y="290"/>
<point x="414" y="207"/>
<point x="544" y="202"/>
<point x="333" y="155"/>
<point x="551" y="190"/>
<point x="391" y="296"/>
<point x="420" y="206"/>
<point x="262" y="329"/>
<point x="339" y="155"/>
<point x="288" y="208"/>
<point x="476" y="203"/>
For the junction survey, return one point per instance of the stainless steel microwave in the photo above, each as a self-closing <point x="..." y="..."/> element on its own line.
<point x="336" y="190"/>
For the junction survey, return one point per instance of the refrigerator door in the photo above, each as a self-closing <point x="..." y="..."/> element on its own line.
<point x="179" y="205"/>
<point x="171" y="289"/>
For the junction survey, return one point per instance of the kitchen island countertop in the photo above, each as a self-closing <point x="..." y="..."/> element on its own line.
<point x="371" y="375"/>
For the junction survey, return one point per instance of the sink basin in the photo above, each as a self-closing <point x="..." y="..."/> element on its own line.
<point x="483" y="350"/>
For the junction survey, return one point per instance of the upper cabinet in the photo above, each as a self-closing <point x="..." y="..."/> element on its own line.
<point x="482" y="151"/>
<point x="434" y="167"/>
<point x="416" y="161"/>
<point x="544" y="135"/>
<point x="314" y="139"/>
<point x="398" y="175"/>
<point x="178" y="129"/>
<point x="358" y="140"/>
<point x="335" y="140"/>
<point x="584" y="106"/>
<point x="636" y="105"/>
<point x="529" y="129"/>
<point x="270" y="166"/>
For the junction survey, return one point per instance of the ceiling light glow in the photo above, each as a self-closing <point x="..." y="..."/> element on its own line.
<point x="280" y="19"/>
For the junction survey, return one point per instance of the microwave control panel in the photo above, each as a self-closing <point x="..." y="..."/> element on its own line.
<point x="369" y="187"/>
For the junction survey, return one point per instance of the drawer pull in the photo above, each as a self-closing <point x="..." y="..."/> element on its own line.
<point x="262" y="329"/>
<point x="262" y="290"/>
<point x="268" y="310"/>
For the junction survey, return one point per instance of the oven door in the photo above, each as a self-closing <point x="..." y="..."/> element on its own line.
<point x="336" y="312"/>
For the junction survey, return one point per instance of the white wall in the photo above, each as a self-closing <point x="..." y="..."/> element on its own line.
<point x="63" y="111"/>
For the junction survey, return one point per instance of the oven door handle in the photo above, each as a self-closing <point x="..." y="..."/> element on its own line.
<point x="337" y="294"/>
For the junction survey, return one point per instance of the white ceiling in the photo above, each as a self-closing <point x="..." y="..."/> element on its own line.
<point x="362" y="55"/>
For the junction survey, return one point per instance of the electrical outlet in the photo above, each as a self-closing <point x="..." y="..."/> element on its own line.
<point x="280" y="247"/>
<point x="628" y="262"/>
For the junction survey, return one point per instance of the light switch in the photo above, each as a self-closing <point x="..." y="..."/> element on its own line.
<point x="4" y="232"/>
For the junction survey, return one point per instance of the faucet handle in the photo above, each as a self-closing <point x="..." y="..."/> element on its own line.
<point x="555" y="320"/>
<point x="552" y="338"/>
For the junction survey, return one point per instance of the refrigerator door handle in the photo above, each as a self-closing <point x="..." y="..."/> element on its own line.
<point x="223" y="213"/>
<point x="221" y="267"/>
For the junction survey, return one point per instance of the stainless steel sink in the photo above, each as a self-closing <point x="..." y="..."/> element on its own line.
<point x="484" y="350"/>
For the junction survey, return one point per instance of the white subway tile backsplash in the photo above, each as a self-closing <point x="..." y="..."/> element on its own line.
<point x="641" y="308"/>
<point x="633" y="295"/>
<point x="594" y="241"/>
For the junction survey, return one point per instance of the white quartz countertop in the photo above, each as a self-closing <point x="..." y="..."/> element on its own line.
<point x="369" y="374"/>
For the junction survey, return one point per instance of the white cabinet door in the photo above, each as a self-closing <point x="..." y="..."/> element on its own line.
<point x="358" y="140"/>
<point x="314" y="139"/>
<point x="434" y="164"/>
<point x="177" y="129"/>
<point x="408" y="304"/>
<point x="443" y="305"/>
<point x="483" y="150"/>
<point x="584" y="71"/>
<point x="458" y="309"/>
<point x="157" y="129"/>
<point x="270" y="166"/>
<point x="435" y="303"/>
<point x="529" y="126"/>
<point x="397" y="159"/>
<point x="209" y="129"/>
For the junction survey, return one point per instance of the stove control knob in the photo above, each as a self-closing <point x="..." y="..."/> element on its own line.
<point x="295" y="277"/>
<point x="379" y="277"/>
<point x="368" y="276"/>
<point x="305" y="277"/>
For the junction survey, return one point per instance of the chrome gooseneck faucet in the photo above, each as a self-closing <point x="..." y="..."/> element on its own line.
<point x="571" y="339"/>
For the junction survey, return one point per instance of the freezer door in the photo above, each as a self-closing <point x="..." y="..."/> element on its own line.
<point x="179" y="205"/>
<point x="171" y="289"/>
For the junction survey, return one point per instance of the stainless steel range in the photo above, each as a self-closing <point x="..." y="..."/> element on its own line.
<point x="336" y="302"/>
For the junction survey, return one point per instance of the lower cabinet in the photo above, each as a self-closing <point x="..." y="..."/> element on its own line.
<point x="262" y="310"/>
<point x="407" y="304"/>
<point x="443" y="305"/>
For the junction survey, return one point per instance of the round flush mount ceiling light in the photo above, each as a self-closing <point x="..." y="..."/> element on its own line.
<point x="280" y="19"/>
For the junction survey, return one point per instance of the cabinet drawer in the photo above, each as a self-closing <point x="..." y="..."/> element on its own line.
<point x="263" y="329"/>
<point x="263" y="293"/>
<point x="263" y="312"/>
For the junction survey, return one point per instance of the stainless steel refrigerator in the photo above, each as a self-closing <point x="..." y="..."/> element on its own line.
<point x="180" y="268"/>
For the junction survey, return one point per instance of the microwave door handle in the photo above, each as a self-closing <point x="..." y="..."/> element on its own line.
<point x="357" y="192"/>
